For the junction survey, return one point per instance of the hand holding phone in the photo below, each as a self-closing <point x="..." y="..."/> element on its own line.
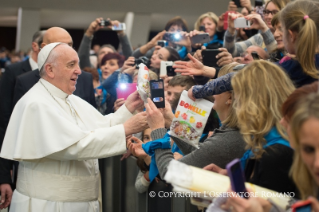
<point x="200" y="38"/>
<point x="172" y="37"/>
<point x="105" y="23"/>
<point x="242" y="23"/>
<point x="209" y="57"/>
<point x="237" y="177"/>
<point x="167" y="69"/>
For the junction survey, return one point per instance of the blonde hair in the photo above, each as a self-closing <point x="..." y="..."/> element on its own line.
<point x="308" y="107"/>
<point x="210" y="15"/>
<point x="292" y="17"/>
<point x="260" y="90"/>
<point x="231" y="120"/>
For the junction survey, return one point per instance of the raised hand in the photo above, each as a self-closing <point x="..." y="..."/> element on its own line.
<point x="136" y="148"/>
<point x="224" y="57"/>
<point x="135" y="124"/>
<point x="257" y="22"/>
<point x="129" y="63"/>
<point x="155" y="118"/>
<point x="94" y="26"/>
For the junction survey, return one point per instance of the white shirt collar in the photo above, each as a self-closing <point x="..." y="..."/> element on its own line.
<point x="33" y="64"/>
<point x="55" y="91"/>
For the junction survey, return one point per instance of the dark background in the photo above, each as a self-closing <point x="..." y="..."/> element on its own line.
<point x="8" y="37"/>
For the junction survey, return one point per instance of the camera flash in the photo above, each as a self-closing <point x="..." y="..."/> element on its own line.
<point x="177" y="36"/>
<point x="123" y="86"/>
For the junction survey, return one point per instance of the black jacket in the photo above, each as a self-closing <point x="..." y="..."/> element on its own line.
<point x="7" y="84"/>
<point x="84" y="86"/>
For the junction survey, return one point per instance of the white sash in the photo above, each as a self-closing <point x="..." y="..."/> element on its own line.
<point x="57" y="188"/>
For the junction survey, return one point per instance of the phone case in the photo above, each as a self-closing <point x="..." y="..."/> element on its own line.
<point x="200" y="38"/>
<point x="125" y="89"/>
<point x="209" y="57"/>
<point x="301" y="206"/>
<point x="163" y="69"/>
<point x="157" y="93"/>
<point x="228" y="167"/>
<point x="241" y="23"/>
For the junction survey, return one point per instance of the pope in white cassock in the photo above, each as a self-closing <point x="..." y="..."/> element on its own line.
<point x="57" y="137"/>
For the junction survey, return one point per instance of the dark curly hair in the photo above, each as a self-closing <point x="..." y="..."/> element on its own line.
<point x="109" y="56"/>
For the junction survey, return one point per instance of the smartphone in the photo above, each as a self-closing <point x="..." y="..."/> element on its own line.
<point x="162" y="43"/>
<point x="157" y="93"/>
<point x="123" y="90"/>
<point x="167" y="69"/>
<point x="105" y="23"/>
<point x="226" y="19"/>
<point x="200" y="38"/>
<point x="302" y="206"/>
<point x="172" y="37"/>
<point x="258" y="3"/>
<point x="120" y="27"/>
<point x="237" y="177"/>
<point x="242" y="23"/>
<point x="202" y="29"/>
<point x="209" y="57"/>
<point x="255" y="56"/>
<point x="237" y="2"/>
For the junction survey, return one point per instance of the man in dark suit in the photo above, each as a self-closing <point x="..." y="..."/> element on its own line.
<point x="7" y="84"/>
<point x="84" y="89"/>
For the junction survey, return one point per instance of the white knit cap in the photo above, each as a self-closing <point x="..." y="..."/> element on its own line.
<point x="44" y="53"/>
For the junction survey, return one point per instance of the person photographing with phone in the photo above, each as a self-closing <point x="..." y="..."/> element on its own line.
<point x="174" y="33"/>
<point x="264" y="38"/>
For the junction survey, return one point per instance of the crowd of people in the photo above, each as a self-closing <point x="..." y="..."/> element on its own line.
<point x="264" y="88"/>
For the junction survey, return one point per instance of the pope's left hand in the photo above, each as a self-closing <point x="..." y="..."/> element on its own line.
<point x="133" y="102"/>
<point x="155" y="118"/>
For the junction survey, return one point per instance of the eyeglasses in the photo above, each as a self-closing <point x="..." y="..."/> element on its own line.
<point x="267" y="12"/>
<point x="244" y="54"/>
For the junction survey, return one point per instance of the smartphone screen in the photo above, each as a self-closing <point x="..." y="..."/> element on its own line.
<point x="120" y="27"/>
<point x="305" y="208"/>
<point x="157" y="93"/>
<point x="209" y="57"/>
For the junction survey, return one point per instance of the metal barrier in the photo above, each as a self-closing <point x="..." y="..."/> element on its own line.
<point x="119" y="193"/>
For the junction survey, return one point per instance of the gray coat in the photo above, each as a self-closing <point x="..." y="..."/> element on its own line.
<point x="221" y="148"/>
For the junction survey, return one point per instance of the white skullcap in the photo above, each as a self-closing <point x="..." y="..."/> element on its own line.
<point x="44" y="53"/>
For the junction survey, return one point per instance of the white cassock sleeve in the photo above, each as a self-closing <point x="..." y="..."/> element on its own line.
<point x="40" y="128"/>
<point x="100" y="143"/>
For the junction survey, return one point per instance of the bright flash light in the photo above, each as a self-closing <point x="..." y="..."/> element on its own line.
<point x="177" y="36"/>
<point x="123" y="86"/>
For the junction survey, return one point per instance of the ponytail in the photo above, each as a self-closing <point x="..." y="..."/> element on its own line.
<point x="302" y="17"/>
<point x="307" y="44"/>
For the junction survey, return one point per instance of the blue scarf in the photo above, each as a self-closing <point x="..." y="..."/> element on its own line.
<point x="162" y="143"/>
<point x="215" y="40"/>
<point x="182" y="52"/>
<point x="273" y="137"/>
<point x="150" y="147"/>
